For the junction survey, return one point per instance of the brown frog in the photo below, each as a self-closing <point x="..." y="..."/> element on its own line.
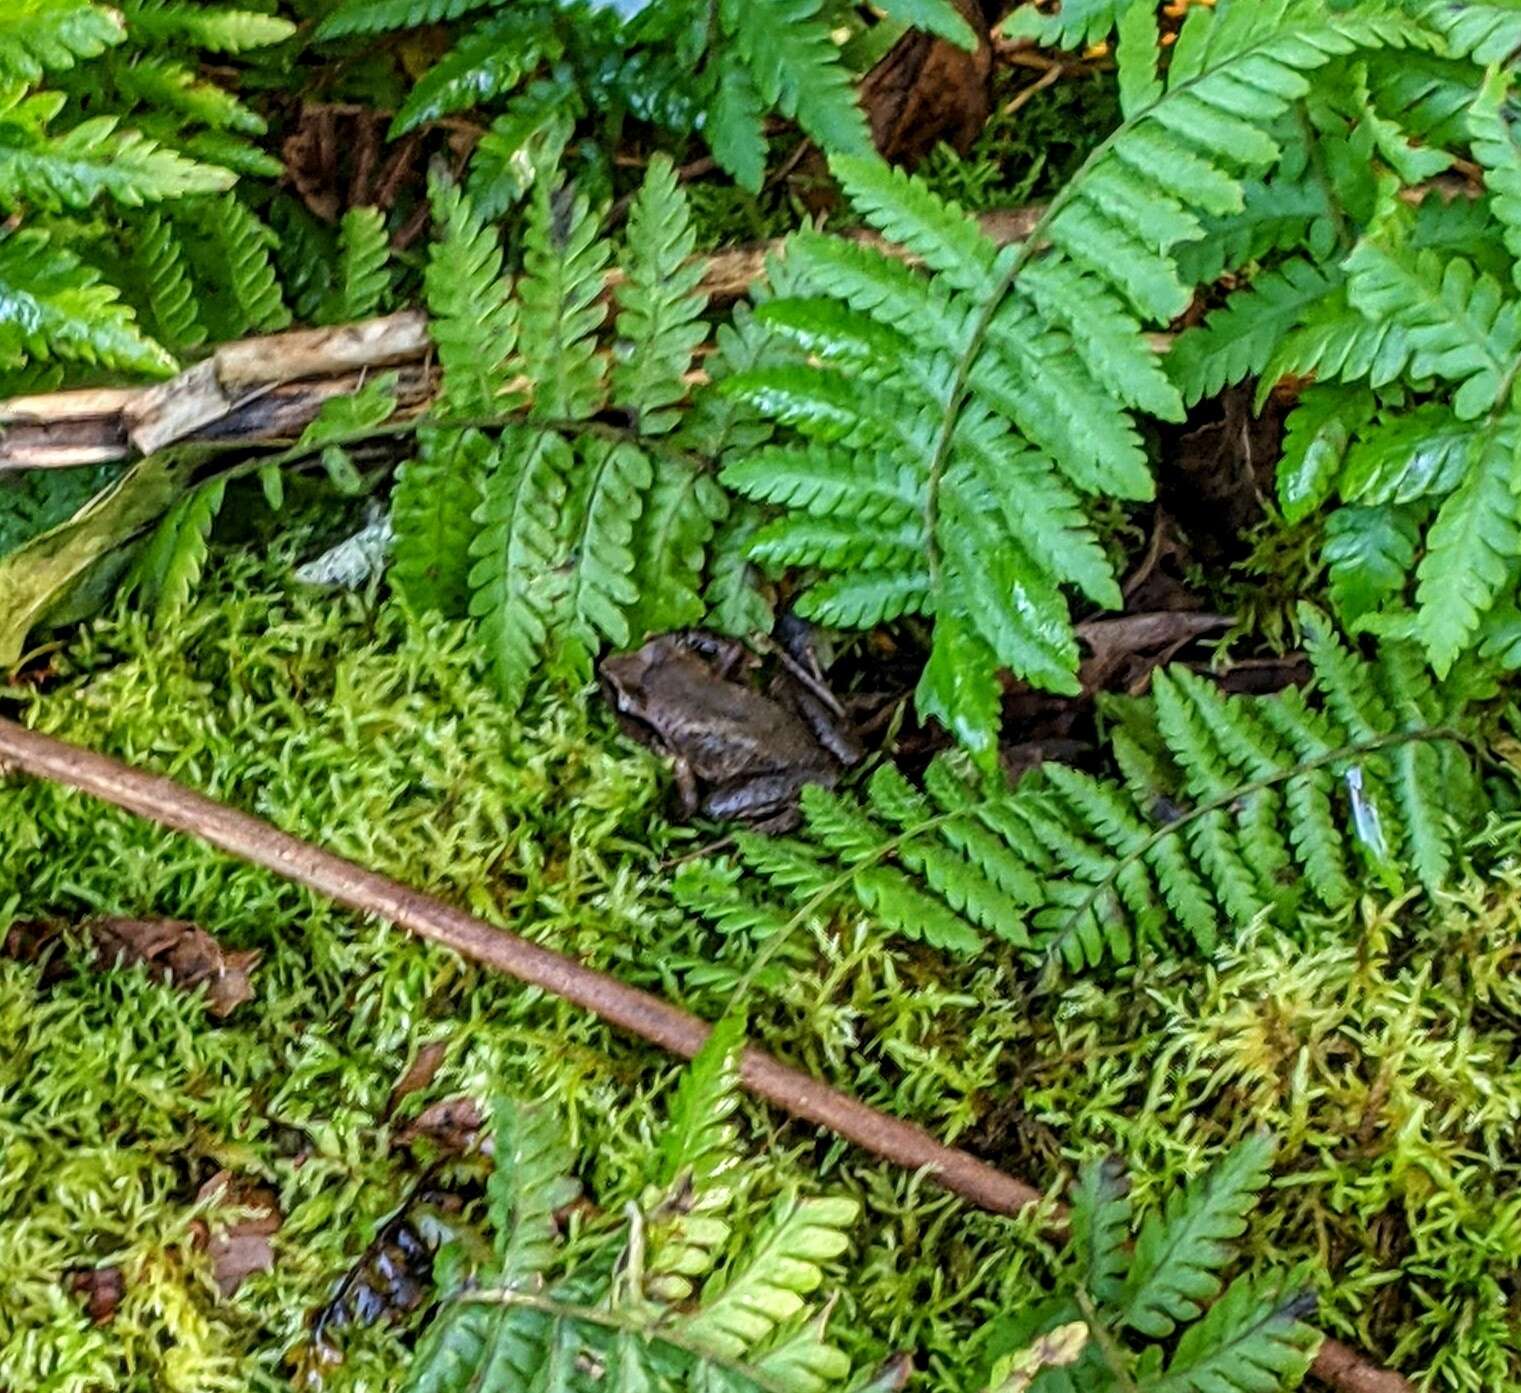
<point x="739" y="753"/>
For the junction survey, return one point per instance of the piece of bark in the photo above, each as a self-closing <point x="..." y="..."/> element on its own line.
<point x="240" y="1248"/>
<point x="183" y="954"/>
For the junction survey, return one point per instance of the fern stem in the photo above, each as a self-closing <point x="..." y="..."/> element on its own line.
<point x="1103" y="1337"/>
<point x="628" y="1324"/>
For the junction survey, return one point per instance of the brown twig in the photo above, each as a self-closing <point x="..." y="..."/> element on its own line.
<point x="172" y="805"/>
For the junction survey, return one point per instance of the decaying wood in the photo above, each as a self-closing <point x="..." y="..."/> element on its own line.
<point x="172" y="805"/>
<point x="265" y="390"/>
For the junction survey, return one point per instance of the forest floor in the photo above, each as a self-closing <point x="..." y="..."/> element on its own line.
<point x="182" y="1192"/>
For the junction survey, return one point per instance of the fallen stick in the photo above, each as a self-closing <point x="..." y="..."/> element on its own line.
<point x="170" y="804"/>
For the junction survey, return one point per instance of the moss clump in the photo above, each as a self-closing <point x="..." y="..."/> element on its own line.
<point x="1384" y="1048"/>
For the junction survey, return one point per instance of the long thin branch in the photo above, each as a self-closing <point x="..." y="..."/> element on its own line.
<point x="172" y="805"/>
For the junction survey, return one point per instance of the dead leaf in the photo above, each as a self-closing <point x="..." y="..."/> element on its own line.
<point x="454" y="1124"/>
<point x="241" y="1248"/>
<point x="35" y="577"/>
<point x="417" y="1075"/>
<point x="183" y="954"/>
<point x="103" y="1289"/>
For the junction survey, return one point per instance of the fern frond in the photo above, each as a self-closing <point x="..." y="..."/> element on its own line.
<point x="1316" y="434"/>
<point x="433" y="511"/>
<point x="215" y="27"/>
<point x="1253" y="1337"/>
<point x="740" y="1309"/>
<point x="490" y="60"/>
<point x="681" y="509"/>
<point x="1101" y="1226"/>
<point x="564" y="261"/>
<point x="1179" y="1253"/>
<point x="694" y="1184"/>
<point x="1471" y="549"/>
<point x="1074" y="24"/>
<point x="245" y="246"/>
<point x="364" y="278"/>
<point x="1497" y="149"/>
<point x="736" y="122"/>
<point x="516" y="583"/>
<point x="92" y="161"/>
<point x="660" y="307"/>
<point x="1421" y="453"/>
<point x="796" y="68"/>
<point x="1238" y="340"/>
<point x="377" y="16"/>
<point x="171" y="564"/>
<point x="1487" y="31"/>
<point x="530" y="1180"/>
<point x="1370" y="554"/>
<point x="52" y="306"/>
<point x="472" y="317"/>
<point x="1226" y="803"/>
<point x="614" y="477"/>
<point x="37" y="36"/>
<point x="1451" y="321"/>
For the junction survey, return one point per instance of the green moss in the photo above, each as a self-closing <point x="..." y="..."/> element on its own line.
<point x="1385" y="1049"/>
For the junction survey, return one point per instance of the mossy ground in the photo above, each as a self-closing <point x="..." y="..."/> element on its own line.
<point x="1384" y="1049"/>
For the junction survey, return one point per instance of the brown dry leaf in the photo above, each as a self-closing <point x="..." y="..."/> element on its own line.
<point x="182" y="953"/>
<point x="454" y="1124"/>
<point x="102" y="1288"/>
<point x="241" y="1248"/>
<point x="417" y="1075"/>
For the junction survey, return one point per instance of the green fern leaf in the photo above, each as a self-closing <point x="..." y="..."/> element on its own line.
<point x="364" y="278"/>
<point x="530" y="1180"/>
<point x="1470" y="549"/>
<point x="614" y="477"/>
<point x="1074" y="24"/>
<point x="660" y="307"/>
<point x="52" y="306"/>
<point x="37" y="36"/>
<point x="1316" y="435"/>
<point x="167" y="285"/>
<point x="742" y="1308"/>
<point x="517" y="586"/>
<point x="167" y="86"/>
<point x="561" y="292"/>
<point x="211" y="27"/>
<point x="94" y="160"/>
<point x="472" y="318"/>
<point x="171" y="564"/>
<point x="1179" y="1253"/>
<point x="1487" y="31"/>
<point x="477" y="1346"/>
<point x="680" y="511"/>
<point x="796" y="68"/>
<point x="489" y="61"/>
<point x="1370" y="554"/>
<point x="1101" y="1227"/>
<point x="1238" y="340"/>
<point x="1413" y="455"/>
<point x="1253" y="1337"/>
<point x="433" y="512"/>
<point x="736" y="123"/>
<point x="377" y="16"/>
<point x="1496" y="148"/>
<point x="244" y="245"/>
<point x="1453" y="323"/>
